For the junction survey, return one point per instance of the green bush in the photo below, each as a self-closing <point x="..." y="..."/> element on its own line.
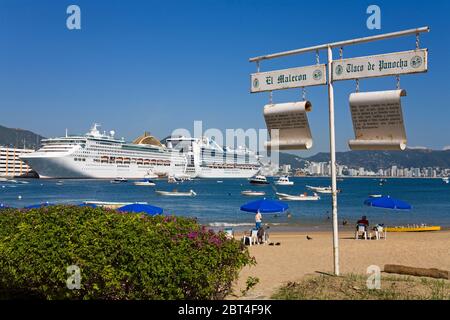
<point x="120" y="256"/>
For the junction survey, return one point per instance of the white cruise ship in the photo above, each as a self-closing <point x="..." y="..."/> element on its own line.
<point x="99" y="155"/>
<point x="206" y="159"/>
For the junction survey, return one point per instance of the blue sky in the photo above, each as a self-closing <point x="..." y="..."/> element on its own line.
<point x="160" y="65"/>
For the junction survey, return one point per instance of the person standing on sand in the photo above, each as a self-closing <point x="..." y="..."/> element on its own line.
<point x="258" y="220"/>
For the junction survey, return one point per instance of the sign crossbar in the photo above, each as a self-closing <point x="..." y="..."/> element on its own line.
<point x="342" y="43"/>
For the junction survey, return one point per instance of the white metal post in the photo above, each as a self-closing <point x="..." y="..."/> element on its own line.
<point x="333" y="163"/>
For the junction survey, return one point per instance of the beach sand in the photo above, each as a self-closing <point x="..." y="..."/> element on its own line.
<point x="297" y="256"/>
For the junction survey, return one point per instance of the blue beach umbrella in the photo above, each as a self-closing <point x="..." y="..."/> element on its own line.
<point x="137" y="208"/>
<point x="40" y="205"/>
<point x="388" y="203"/>
<point x="265" y="206"/>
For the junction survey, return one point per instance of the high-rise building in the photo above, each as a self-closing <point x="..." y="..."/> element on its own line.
<point x="10" y="163"/>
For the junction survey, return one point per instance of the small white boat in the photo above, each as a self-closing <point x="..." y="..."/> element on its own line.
<point x="183" y="177"/>
<point x="445" y="179"/>
<point x="375" y="196"/>
<point x="284" y="181"/>
<point x="150" y="175"/>
<point x="250" y="193"/>
<point x="175" y="193"/>
<point x="300" y="197"/>
<point x="320" y="189"/>
<point x="119" y="180"/>
<point x="326" y="190"/>
<point x="171" y="179"/>
<point x="259" y="179"/>
<point x="145" y="182"/>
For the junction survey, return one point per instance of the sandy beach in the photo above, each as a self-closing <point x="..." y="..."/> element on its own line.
<point x="296" y="256"/>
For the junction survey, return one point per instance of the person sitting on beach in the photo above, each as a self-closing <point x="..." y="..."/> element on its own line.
<point x="363" y="222"/>
<point x="258" y="220"/>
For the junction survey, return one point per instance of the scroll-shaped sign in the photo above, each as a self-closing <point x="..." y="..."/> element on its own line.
<point x="397" y="63"/>
<point x="378" y="120"/>
<point x="288" y="126"/>
<point x="288" y="78"/>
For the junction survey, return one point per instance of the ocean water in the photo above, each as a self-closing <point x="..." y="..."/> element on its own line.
<point x="217" y="204"/>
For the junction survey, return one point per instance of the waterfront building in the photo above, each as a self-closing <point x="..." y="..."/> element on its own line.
<point x="10" y="163"/>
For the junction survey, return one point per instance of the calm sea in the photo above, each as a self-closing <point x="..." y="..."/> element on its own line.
<point x="217" y="203"/>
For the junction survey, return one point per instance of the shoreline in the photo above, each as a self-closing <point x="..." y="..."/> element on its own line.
<point x="297" y="257"/>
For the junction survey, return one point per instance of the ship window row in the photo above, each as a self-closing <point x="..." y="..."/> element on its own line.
<point x="161" y="162"/>
<point x="229" y="166"/>
<point x="79" y="159"/>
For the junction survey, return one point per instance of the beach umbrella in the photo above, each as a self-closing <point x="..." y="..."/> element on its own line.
<point x="265" y="206"/>
<point x="90" y="205"/>
<point x="137" y="208"/>
<point x="388" y="203"/>
<point x="40" y="205"/>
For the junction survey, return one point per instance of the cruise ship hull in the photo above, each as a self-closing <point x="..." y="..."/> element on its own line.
<point x="66" y="168"/>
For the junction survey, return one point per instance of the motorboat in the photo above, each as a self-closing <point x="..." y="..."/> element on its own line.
<point x="171" y="179"/>
<point x="300" y="197"/>
<point x="145" y="182"/>
<point x="259" y="179"/>
<point x="326" y="190"/>
<point x="284" y="181"/>
<point x="445" y="179"/>
<point x="176" y="193"/>
<point x="119" y="180"/>
<point x="183" y="177"/>
<point x="251" y="193"/>
<point x="150" y="175"/>
<point x="375" y="196"/>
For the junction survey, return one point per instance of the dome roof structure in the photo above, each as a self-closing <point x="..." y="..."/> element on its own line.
<point x="146" y="138"/>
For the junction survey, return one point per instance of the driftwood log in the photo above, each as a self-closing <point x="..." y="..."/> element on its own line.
<point x="420" y="272"/>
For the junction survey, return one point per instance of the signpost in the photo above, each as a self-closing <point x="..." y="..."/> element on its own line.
<point x="407" y="62"/>
<point x="382" y="65"/>
<point x="288" y="78"/>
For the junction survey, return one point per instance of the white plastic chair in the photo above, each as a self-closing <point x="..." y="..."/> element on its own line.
<point x="254" y="236"/>
<point x="251" y="237"/>
<point x="361" y="231"/>
<point x="380" y="232"/>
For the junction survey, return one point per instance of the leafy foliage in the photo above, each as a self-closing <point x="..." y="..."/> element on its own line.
<point x="120" y="256"/>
